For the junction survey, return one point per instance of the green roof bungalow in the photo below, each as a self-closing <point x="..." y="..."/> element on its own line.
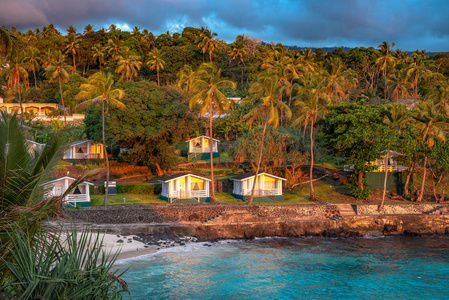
<point x="79" y="196"/>
<point x="268" y="187"/>
<point x="199" y="147"/>
<point x="185" y="188"/>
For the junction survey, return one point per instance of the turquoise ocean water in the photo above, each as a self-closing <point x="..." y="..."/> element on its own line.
<point x="280" y="268"/>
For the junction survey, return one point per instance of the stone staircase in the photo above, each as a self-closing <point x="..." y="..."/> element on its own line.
<point x="345" y="210"/>
<point x="434" y="211"/>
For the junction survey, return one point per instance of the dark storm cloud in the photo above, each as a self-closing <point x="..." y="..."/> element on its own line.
<point x="411" y="24"/>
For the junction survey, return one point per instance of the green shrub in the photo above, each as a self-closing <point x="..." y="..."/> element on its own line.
<point x="407" y="196"/>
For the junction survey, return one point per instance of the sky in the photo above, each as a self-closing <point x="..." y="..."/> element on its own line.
<point x="410" y="24"/>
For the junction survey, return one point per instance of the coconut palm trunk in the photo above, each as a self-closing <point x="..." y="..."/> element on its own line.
<point x="312" y="193"/>
<point x="106" y="187"/>
<point x="20" y="99"/>
<point x="409" y="175"/>
<point x="421" y="193"/>
<point x="157" y="70"/>
<point x="385" y="182"/>
<point x="62" y="101"/>
<point x="211" y="155"/>
<point x="250" y="201"/>
<point x="35" y="80"/>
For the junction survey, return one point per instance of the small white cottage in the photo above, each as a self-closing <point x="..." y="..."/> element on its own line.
<point x="34" y="146"/>
<point x="185" y="187"/>
<point x="79" y="196"/>
<point x="199" y="146"/>
<point x="268" y="187"/>
<point x="84" y="150"/>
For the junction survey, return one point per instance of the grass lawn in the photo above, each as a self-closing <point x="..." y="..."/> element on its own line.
<point x="97" y="199"/>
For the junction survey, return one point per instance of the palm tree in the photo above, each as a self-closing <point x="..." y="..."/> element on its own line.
<point x="206" y="91"/>
<point x="398" y="85"/>
<point x="417" y="70"/>
<point x="32" y="61"/>
<point x="72" y="48"/>
<point x="269" y="90"/>
<point x="88" y="29"/>
<point x="57" y="70"/>
<point x="440" y="94"/>
<point x="128" y="65"/>
<point x="186" y="78"/>
<point x="396" y="119"/>
<point x="98" y="54"/>
<point x="114" y="46"/>
<point x="14" y="74"/>
<point x="156" y="62"/>
<point x="312" y="101"/>
<point x="239" y="50"/>
<point x="338" y="80"/>
<point x="208" y="43"/>
<point x="99" y="90"/>
<point x="431" y="126"/>
<point x="385" y="59"/>
<point x="7" y="41"/>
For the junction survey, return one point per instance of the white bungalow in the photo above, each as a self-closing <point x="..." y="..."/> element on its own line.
<point x="34" y="146"/>
<point x="79" y="196"/>
<point x="199" y="146"/>
<point x="84" y="150"/>
<point x="185" y="187"/>
<point x="267" y="186"/>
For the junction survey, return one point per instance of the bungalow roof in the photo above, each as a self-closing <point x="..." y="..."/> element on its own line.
<point x="201" y="137"/>
<point x="244" y="176"/>
<point x="180" y="175"/>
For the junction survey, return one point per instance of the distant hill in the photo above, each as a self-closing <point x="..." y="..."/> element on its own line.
<point x="330" y="49"/>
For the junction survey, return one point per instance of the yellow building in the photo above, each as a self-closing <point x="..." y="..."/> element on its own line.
<point x="40" y="109"/>
<point x="185" y="187"/>
<point x="268" y="187"/>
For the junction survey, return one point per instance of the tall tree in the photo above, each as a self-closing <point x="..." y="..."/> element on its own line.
<point x="16" y="73"/>
<point x="239" y="51"/>
<point x="72" y="48"/>
<point x="311" y="101"/>
<point x="267" y="94"/>
<point x="186" y="78"/>
<point x="417" y="70"/>
<point x="398" y="85"/>
<point x="385" y="59"/>
<point x="98" y="54"/>
<point x="431" y="125"/>
<point x="32" y="60"/>
<point x="57" y="70"/>
<point x="338" y="80"/>
<point x="7" y="41"/>
<point x="156" y="62"/>
<point x="207" y="43"/>
<point x="396" y="119"/>
<point x="128" y="65"/>
<point x="206" y="91"/>
<point x="100" y="90"/>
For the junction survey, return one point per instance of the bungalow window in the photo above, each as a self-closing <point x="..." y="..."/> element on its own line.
<point x="197" y="186"/>
<point x="197" y="143"/>
<point x="269" y="185"/>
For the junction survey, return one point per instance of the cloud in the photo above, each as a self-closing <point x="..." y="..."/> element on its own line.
<point x="411" y="24"/>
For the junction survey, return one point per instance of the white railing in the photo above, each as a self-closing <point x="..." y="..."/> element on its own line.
<point x="199" y="193"/>
<point x="77" y="198"/>
<point x="200" y="150"/>
<point x="261" y="192"/>
<point x="86" y="156"/>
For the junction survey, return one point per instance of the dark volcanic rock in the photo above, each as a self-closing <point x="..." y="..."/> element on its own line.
<point x="446" y="231"/>
<point x="390" y="228"/>
<point x="119" y="241"/>
<point x="340" y="233"/>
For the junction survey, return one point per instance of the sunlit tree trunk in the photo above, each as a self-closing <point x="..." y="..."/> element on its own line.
<point x="106" y="186"/>
<point x="312" y="193"/>
<point x="211" y="155"/>
<point x="421" y="193"/>
<point x="250" y="201"/>
<point x="385" y="182"/>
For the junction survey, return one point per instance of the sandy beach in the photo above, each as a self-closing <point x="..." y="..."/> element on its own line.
<point x="132" y="246"/>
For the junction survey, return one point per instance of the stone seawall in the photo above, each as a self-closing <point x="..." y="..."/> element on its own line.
<point x="206" y="221"/>
<point x="125" y="214"/>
